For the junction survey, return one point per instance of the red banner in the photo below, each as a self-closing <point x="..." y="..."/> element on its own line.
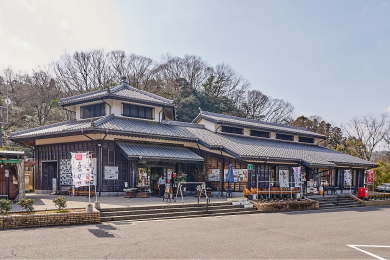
<point x="369" y="176"/>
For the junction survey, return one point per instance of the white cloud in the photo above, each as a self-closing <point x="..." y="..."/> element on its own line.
<point x="20" y="43"/>
<point x="365" y="8"/>
<point x="387" y="109"/>
<point x="65" y="25"/>
<point x="29" y="7"/>
<point x="384" y="4"/>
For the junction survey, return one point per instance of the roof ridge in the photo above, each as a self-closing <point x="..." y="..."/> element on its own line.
<point x="179" y="123"/>
<point x="83" y="95"/>
<point x="147" y="93"/>
<point x="102" y="120"/>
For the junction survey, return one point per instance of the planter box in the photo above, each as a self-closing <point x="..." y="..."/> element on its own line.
<point x="286" y="206"/>
<point x="248" y="206"/>
<point x="236" y="203"/>
<point x="50" y="219"/>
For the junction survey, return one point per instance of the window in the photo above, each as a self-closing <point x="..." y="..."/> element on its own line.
<point x="137" y="111"/>
<point x="306" y="140"/>
<point x="93" y="110"/>
<point x="285" y="137"/>
<point x="260" y="133"/>
<point x="232" y="130"/>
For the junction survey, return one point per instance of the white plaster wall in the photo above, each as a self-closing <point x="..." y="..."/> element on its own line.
<point x="247" y="132"/>
<point x="273" y="135"/>
<point x="296" y="138"/>
<point x="207" y="124"/>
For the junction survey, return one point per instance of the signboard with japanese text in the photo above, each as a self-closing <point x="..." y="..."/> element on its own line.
<point x="81" y="169"/>
<point x="369" y="176"/>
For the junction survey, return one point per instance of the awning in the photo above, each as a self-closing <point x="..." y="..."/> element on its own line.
<point x="154" y="152"/>
<point x="9" y="161"/>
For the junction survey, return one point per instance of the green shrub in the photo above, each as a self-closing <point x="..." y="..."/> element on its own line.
<point x="274" y="197"/>
<point x="26" y="204"/>
<point x="60" y="203"/>
<point x="261" y="198"/>
<point x="5" y="206"/>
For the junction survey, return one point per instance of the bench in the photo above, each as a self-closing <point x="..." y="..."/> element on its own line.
<point x="82" y="193"/>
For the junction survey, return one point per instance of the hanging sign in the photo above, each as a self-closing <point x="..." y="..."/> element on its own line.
<point x="6" y="173"/>
<point x="81" y="169"/>
<point x="347" y="177"/>
<point x="369" y="176"/>
<point x="297" y="177"/>
<point x="283" y="178"/>
<point x="250" y="166"/>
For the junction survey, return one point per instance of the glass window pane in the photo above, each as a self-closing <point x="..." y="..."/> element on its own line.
<point x="134" y="111"/>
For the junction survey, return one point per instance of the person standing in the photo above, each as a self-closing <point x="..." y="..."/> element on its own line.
<point x="161" y="183"/>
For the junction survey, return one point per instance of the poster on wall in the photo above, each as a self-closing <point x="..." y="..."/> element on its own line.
<point x="214" y="174"/>
<point x="66" y="172"/>
<point x="297" y="177"/>
<point x="347" y="177"/>
<point x="81" y="169"/>
<point x="239" y="174"/>
<point x="369" y="176"/>
<point x="283" y="178"/>
<point x="111" y="172"/>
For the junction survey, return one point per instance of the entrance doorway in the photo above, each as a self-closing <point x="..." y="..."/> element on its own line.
<point x="156" y="173"/>
<point x="49" y="171"/>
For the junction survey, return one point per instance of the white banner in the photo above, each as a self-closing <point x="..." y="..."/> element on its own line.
<point x="81" y="169"/>
<point x="283" y="178"/>
<point x="297" y="177"/>
<point x="347" y="177"/>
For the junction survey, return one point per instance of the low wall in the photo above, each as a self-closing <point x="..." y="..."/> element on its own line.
<point x="371" y="202"/>
<point x="50" y="219"/>
<point x="286" y="206"/>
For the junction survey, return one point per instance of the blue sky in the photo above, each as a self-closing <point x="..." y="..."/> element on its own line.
<point x="329" y="58"/>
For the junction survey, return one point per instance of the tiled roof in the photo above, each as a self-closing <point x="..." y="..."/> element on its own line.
<point x="110" y="123"/>
<point x="122" y="92"/>
<point x="253" y="124"/>
<point x="241" y="147"/>
<point x="159" y="152"/>
<point x="249" y="147"/>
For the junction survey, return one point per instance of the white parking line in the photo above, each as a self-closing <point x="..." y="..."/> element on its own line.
<point x="366" y="252"/>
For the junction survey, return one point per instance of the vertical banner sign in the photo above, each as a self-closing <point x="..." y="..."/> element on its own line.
<point x="297" y="177"/>
<point x="369" y="176"/>
<point x="347" y="177"/>
<point x="6" y="173"/>
<point x="81" y="169"/>
<point x="283" y="178"/>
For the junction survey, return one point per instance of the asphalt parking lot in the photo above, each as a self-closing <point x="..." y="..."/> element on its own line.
<point x="316" y="234"/>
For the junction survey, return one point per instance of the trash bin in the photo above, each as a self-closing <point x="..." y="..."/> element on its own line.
<point x="363" y="193"/>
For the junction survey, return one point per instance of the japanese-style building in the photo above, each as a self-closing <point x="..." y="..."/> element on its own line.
<point x="137" y="132"/>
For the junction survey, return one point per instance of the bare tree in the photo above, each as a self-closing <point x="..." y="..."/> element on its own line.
<point x="261" y="107"/>
<point x="369" y="130"/>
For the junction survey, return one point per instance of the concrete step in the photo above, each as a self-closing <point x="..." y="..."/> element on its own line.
<point x="185" y="214"/>
<point x="178" y="205"/>
<point x="164" y="210"/>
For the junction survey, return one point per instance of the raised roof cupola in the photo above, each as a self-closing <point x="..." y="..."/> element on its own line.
<point x="122" y="101"/>
<point x="232" y="125"/>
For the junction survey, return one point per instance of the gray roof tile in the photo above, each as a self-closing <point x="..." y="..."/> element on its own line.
<point x="243" y="147"/>
<point x="150" y="151"/>
<point x="123" y="91"/>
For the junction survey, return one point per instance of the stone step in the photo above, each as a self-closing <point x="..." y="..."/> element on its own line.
<point x="186" y="214"/>
<point x="176" y="205"/>
<point x="349" y="206"/>
<point x="164" y="210"/>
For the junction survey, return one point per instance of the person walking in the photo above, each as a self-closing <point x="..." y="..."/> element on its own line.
<point x="161" y="183"/>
